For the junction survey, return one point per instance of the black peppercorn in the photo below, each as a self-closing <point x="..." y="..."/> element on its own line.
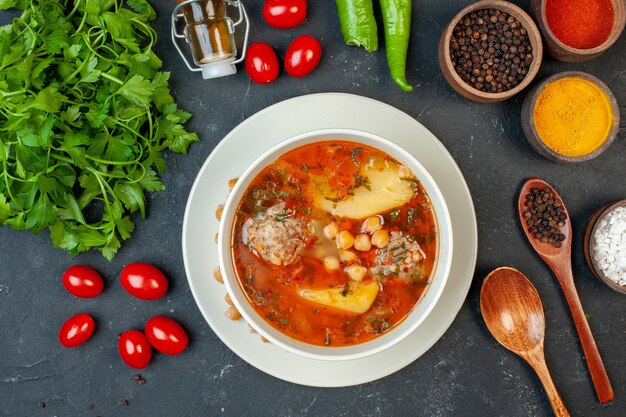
<point x="494" y="44"/>
<point x="545" y="217"/>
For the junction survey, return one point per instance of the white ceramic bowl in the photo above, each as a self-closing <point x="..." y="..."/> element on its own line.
<point x="417" y="315"/>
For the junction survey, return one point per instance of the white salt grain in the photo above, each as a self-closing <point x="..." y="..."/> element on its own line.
<point x="610" y="246"/>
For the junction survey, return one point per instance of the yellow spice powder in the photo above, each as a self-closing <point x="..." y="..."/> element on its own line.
<point x="573" y="116"/>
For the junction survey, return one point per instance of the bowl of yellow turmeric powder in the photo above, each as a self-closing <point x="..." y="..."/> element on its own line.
<point x="570" y="117"/>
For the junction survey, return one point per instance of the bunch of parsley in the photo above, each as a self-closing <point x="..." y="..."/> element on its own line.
<point x="84" y="116"/>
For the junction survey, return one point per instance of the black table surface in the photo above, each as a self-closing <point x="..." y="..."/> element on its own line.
<point x="467" y="373"/>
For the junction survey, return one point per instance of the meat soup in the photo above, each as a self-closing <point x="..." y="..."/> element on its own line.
<point x="334" y="243"/>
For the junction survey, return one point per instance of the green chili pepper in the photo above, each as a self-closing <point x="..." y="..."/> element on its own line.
<point x="358" y="24"/>
<point x="397" y="28"/>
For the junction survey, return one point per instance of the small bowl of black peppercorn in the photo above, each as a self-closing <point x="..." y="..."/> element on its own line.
<point x="490" y="51"/>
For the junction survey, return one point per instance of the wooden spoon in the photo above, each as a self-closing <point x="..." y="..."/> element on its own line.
<point x="513" y="313"/>
<point x="560" y="261"/>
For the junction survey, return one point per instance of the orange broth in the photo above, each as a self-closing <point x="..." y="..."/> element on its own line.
<point x="272" y="289"/>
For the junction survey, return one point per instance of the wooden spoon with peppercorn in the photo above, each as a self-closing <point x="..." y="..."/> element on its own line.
<point x="546" y="223"/>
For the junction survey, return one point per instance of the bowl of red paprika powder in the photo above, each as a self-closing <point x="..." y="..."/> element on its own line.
<point x="579" y="30"/>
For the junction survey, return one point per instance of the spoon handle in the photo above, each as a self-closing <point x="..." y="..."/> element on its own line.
<point x="598" y="373"/>
<point x="537" y="360"/>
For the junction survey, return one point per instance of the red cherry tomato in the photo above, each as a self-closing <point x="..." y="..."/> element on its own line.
<point x="144" y="281"/>
<point x="83" y="281"/>
<point x="261" y="63"/>
<point x="166" y="335"/>
<point x="284" y="14"/>
<point x="135" y="349"/>
<point x="76" y="330"/>
<point x="302" y="56"/>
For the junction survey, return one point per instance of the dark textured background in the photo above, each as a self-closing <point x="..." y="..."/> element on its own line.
<point x="466" y="374"/>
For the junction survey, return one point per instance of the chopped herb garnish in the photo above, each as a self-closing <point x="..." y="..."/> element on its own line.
<point x="250" y="280"/>
<point x="316" y="311"/>
<point x="410" y="216"/>
<point x="355" y="153"/>
<point x="346" y="289"/>
<point x="333" y="199"/>
<point x="283" y="322"/>
<point x="394" y="214"/>
<point x="399" y="258"/>
<point x="376" y="324"/>
<point x="304" y="168"/>
<point x="364" y="182"/>
<point x="283" y="215"/>
<point x="409" y="179"/>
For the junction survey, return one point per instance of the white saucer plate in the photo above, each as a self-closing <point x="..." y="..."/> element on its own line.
<point x="262" y="131"/>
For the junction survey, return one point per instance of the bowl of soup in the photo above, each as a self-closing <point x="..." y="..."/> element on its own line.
<point x="335" y="244"/>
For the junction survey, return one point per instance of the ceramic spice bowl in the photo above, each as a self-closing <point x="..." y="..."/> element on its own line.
<point x="539" y="144"/>
<point x="560" y="50"/>
<point x="448" y="66"/>
<point x="589" y="243"/>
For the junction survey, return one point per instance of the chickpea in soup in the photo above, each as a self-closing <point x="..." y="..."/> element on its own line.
<point x="334" y="243"/>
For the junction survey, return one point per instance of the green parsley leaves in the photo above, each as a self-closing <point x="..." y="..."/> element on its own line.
<point x="85" y="115"/>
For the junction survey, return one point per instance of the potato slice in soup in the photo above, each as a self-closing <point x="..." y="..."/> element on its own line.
<point x="387" y="190"/>
<point x="358" y="299"/>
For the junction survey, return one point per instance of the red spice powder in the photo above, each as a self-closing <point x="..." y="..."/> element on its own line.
<point x="582" y="24"/>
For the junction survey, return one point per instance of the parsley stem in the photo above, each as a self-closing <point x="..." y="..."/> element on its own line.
<point x="88" y="44"/>
<point x="104" y="185"/>
<point x="6" y="173"/>
<point x="78" y="70"/>
<point x="133" y="131"/>
<point x="105" y="196"/>
<point x="12" y="93"/>
<point x="11" y="112"/>
<point x="151" y="127"/>
<point x="82" y="22"/>
<point x="61" y="158"/>
<point x="76" y="4"/>
<point x="109" y="162"/>
<point x="112" y="78"/>
<point x="147" y="30"/>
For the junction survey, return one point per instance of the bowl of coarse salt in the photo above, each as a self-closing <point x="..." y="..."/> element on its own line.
<point x="605" y="245"/>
